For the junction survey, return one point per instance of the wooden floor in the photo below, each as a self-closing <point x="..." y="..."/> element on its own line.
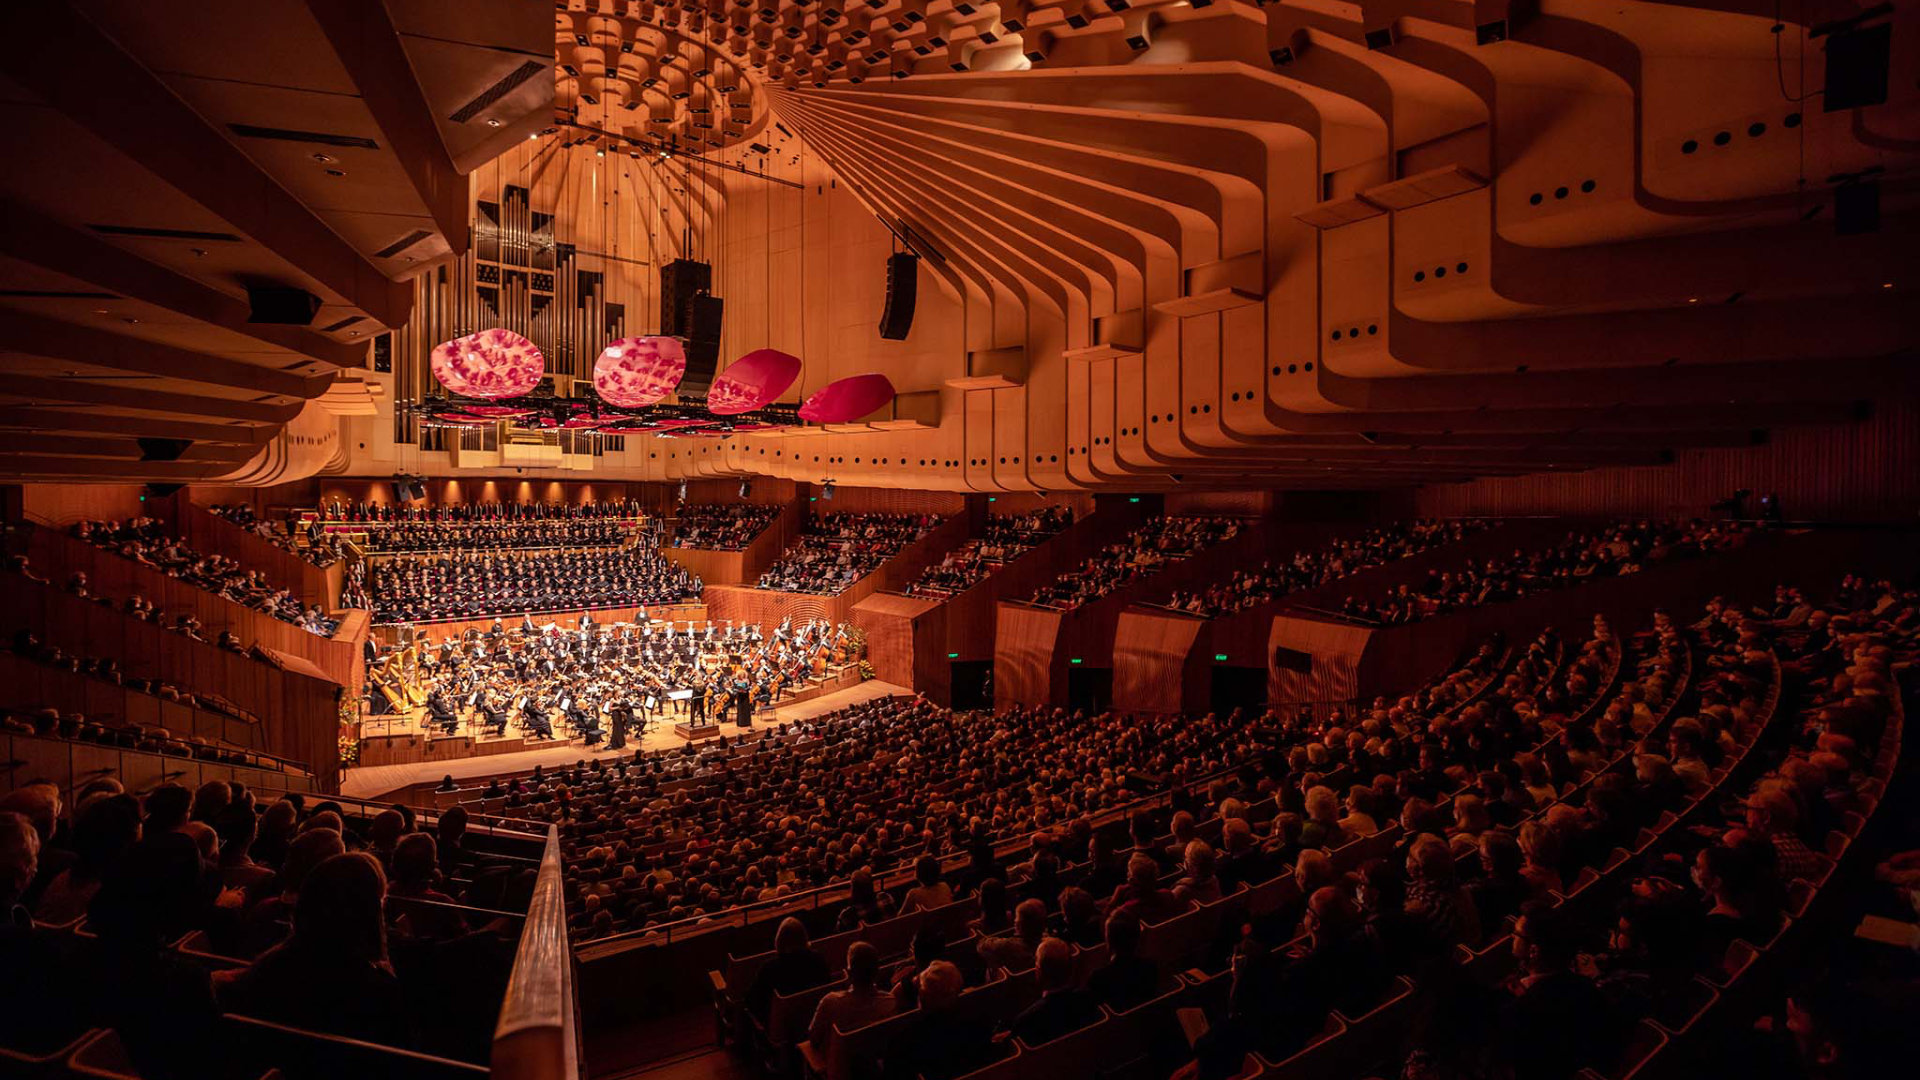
<point x="373" y="782"/>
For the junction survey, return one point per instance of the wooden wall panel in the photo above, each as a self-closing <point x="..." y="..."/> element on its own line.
<point x="972" y="620"/>
<point x="906" y="637"/>
<point x="1334" y="651"/>
<point x="215" y="535"/>
<point x="1859" y="472"/>
<point x="65" y="504"/>
<point x="868" y="500"/>
<point x="27" y="686"/>
<point x="299" y="715"/>
<point x="73" y="764"/>
<point x="1157" y="665"/>
<point x="1028" y="667"/>
<point x="58" y="556"/>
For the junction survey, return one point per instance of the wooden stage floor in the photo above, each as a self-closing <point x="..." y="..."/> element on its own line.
<point x="375" y="781"/>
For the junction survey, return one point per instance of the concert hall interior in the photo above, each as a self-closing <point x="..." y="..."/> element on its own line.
<point x="922" y="539"/>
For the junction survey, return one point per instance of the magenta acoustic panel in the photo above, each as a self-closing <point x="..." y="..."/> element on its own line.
<point x="637" y="371"/>
<point x="847" y="399"/>
<point x="754" y="381"/>
<point x="489" y="364"/>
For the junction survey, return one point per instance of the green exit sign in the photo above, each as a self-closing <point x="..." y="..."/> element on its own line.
<point x="953" y="656"/>
<point x="1219" y="656"/>
<point x="1075" y="660"/>
<point x="1134" y="499"/>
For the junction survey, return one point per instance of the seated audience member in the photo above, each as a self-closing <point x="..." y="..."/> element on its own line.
<point x="1500" y="889"/>
<point x="1559" y="1021"/>
<point x="1434" y="895"/>
<point x="161" y="1006"/>
<point x="795" y="966"/>
<point x="1015" y="951"/>
<point x="1062" y="1007"/>
<point x="942" y="1042"/>
<point x="416" y="877"/>
<point x="860" y="1004"/>
<point x="39" y="802"/>
<point x="1127" y="979"/>
<point x="236" y="826"/>
<point x="929" y="945"/>
<point x="1142" y="895"/>
<point x="1201" y="885"/>
<point x="268" y="919"/>
<point x="865" y="904"/>
<point x="1078" y="920"/>
<point x="1338" y="969"/>
<point x="1731" y="888"/>
<point x="928" y="891"/>
<point x="332" y="973"/>
<point x="105" y="831"/>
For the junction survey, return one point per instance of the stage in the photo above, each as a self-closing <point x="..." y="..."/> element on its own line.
<point x="369" y="781"/>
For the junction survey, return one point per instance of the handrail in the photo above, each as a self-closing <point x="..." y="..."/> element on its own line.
<point x="535" y="1038"/>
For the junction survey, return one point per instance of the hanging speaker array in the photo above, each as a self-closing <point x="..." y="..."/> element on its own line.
<point x="903" y="284"/>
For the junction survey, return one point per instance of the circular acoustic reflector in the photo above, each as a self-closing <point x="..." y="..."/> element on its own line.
<point x="848" y="399"/>
<point x="754" y="381"/>
<point x="489" y="364"/>
<point x="637" y="371"/>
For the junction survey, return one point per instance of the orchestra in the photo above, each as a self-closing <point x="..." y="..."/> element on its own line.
<point x="603" y="683"/>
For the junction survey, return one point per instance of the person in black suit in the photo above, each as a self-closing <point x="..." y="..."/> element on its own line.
<point x="697" y="705"/>
<point x="621" y="717"/>
<point x="533" y="714"/>
<point x="1063" y="1008"/>
<point x="441" y="713"/>
<point x="495" y="716"/>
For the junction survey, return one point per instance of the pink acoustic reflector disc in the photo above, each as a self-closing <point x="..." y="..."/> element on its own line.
<point x="847" y="399"/>
<point x="637" y="371"/>
<point x="490" y="363"/>
<point x="754" y="381"/>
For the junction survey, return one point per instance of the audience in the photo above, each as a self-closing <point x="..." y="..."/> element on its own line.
<point x="1138" y="555"/>
<point x="1005" y="538"/>
<point x="1611" y="551"/>
<point x="1308" y="568"/>
<point x="835" y="550"/>
<point x="142" y="540"/>
<point x="321" y="550"/>
<point x="721" y="526"/>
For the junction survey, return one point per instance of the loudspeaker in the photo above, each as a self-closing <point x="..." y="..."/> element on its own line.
<point x="703" y="344"/>
<point x="903" y="284"/>
<point x="680" y="281"/>
<point x="1857" y="68"/>
<point x="1856" y="208"/>
<point x="281" y="305"/>
<point x="162" y="449"/>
